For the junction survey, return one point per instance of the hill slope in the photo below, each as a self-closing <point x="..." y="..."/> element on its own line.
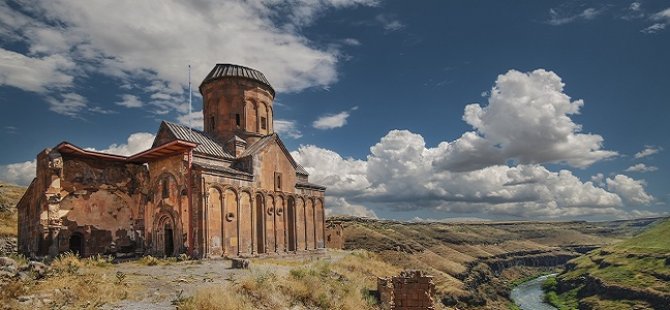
<point x="9" y="197"/>
<point x="476" y="264"/>
<point x="632" y="273"/>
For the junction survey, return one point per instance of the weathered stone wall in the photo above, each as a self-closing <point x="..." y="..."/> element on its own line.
<point x="82" y="205"/>
<point x="241" y="219"/>
<point x="167" y="209"/>
<point x="411" y="290"/>
<point x="334" y="235"/>
<point x="270" y="164"/>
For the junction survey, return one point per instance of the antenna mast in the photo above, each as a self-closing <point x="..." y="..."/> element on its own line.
<point x="189" y="99"/>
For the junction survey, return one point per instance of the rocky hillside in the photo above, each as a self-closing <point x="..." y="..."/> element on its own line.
<point x="633" y="274"/>
<point x="9" y="197"/>
<point x="476" y="264"/>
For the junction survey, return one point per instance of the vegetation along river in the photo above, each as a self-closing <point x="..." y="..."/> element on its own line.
<point x="529" y="295"/>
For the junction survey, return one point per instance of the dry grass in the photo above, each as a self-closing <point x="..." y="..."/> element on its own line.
<point x="71" y="283"/>
<point x="344" y="283"/>
<point x="9" y="197"/>
<point x="8" y="224"/>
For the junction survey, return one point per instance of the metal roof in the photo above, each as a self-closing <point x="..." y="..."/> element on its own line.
<point x="230" y="70"/>
<point x="206" y="144"/>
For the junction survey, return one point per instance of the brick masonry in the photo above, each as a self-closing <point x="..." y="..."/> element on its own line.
<point x="411" y="290"/>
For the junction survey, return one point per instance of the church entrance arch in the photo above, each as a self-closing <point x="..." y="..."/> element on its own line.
<point x="165" y="235"/>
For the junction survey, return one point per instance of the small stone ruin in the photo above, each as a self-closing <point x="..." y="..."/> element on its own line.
<point x="412" y="289"/>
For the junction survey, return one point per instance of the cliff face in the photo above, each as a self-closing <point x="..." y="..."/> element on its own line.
<point x="476" y="264"/>
<point x="635" y="272"/>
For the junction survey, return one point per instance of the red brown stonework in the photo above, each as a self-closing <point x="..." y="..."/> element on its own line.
<point x="230" y="190"/>
<point x="411" y="290"/>
<point x="334" y="235"/>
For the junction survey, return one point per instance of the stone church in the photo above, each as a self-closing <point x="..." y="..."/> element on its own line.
<point x="230" y="190"/>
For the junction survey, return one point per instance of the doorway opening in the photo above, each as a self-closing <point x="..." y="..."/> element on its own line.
<point x="169" y="240"/>
<point x="77" y="244"/>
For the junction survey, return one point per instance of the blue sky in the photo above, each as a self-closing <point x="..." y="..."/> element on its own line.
<point x="492" y="110"/>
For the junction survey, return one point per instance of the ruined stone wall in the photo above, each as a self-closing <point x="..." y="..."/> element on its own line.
<point x="101" y="206"/>
<point x="33" y="233"/>
<point x="411" y="290"/>
<point x="82" y="205"/>
<point x="334" y="235"/>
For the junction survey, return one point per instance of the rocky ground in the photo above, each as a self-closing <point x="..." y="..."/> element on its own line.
<point x="337" y="279"/>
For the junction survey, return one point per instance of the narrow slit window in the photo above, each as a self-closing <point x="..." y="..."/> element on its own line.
<point x="166" y="189"/>
<point x="237" y="120"/>
<point x="264" y="123"/>
<point x="278" y="181"/>
<point x="211" y="122"/>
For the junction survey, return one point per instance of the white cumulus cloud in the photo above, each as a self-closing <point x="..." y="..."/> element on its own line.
<point x="648" y="151"/>
<point x="632" y="191"/>
<point x="527" y="120"/>
<point x="130" y="101"/>
<point x="19" y="173"/>
<point x="287" y="128"/>
<point x="641" y="168"/>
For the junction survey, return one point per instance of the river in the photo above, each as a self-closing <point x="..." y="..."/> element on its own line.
<point x="529" y="295"/>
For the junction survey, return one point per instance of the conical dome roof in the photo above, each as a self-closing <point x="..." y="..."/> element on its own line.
<point x="221" y="71"/>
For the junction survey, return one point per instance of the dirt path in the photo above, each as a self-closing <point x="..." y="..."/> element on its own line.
<point x="164" y="283"/>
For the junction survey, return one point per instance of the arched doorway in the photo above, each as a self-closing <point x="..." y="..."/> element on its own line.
<point x="290" y="221"/>
<point x="259" y="223"/>
<point x="164" y="241"/>
<point x="76" y="244"/>
<point x="168" y="236"/>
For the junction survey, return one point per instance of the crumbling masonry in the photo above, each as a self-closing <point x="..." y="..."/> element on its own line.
<point x="230" y="190"/>
<point x="411" y="290"/>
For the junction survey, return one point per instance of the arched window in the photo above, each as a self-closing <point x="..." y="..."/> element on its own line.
<point x="166" y="188"/>
<point x="237" y="119"/>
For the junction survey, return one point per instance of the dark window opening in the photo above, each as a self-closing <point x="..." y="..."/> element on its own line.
<point x="264" y="124"/>
<point x="237" y="120"/>
<point x="76" y="244"/>
<point x="211" y="122"/>
<point x="278" y="185"/>
<point x="166" y="189"/>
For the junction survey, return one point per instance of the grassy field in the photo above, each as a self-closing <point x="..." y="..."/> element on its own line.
<point x="639" y="263"/>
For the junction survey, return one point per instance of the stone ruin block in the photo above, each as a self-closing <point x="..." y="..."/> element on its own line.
<point x="411" y="290"/>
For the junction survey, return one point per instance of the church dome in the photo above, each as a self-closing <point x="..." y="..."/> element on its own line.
<point x="222" y="71"/>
